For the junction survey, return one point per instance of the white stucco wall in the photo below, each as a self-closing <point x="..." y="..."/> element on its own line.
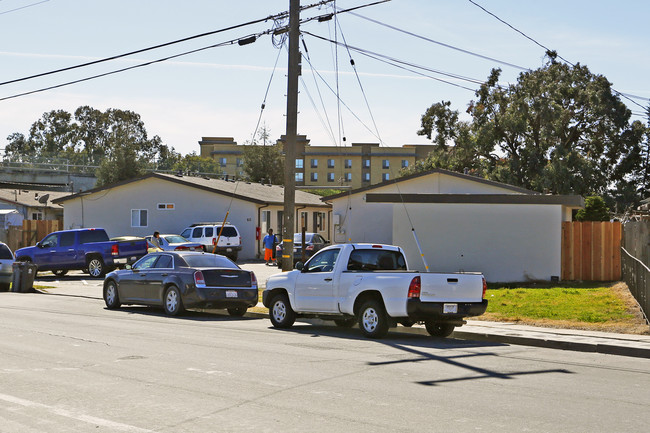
<point x="504" y="242"/>
<point x="111" y="209"/>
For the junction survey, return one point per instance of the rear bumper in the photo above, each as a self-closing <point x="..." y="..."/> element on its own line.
<point x="418" y="310"/>
<point x="212" y="297"/>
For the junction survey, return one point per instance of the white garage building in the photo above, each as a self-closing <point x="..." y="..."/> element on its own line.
<point x="463" y="223"/>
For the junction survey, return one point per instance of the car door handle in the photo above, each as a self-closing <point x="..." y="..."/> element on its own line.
<point x="71" y="250"/>
<point x="452" y="280"/>
<point x="328" y="279"/>
<point x="143" y="275"/>
<point x="164" y="275"/>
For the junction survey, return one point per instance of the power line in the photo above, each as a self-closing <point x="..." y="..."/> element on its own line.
<point x="24" y="7"/>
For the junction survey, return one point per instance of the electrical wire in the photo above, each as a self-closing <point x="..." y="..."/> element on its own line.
<point x="24" y="7"/>
<point x="265" y="96"/>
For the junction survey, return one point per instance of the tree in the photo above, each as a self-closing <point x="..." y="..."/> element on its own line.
<point x="193" y="163"/>
<point x="595" y="210"/>
<point x="264" y="163"/>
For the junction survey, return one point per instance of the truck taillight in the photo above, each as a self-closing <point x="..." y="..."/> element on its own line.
<point x="414" y="287"/>
<point x="115" y="250"/>
<point x="484" y="287"/>
<point x="199" y="281"/>
<point x="253" y="280"/>
<point x="214" y="241"/>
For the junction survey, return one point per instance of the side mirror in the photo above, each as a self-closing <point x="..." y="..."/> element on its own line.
<point x="39" y="245"/>
<point x="299" y="266"/>
<point x="127" y="267"/>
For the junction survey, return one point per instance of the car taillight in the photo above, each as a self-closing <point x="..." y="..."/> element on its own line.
<point x="309" y="247"/>
<point x="115" y="250"/>
<point x="182" y="248"/>
<point x="214" y="241"/>
<point x="198" y="278"/>
<point x="253" y="280"/>
<point x="415" y="287"/>
<point x="484" y="287"/>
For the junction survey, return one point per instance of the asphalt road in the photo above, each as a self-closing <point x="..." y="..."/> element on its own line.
<point x="69" y="365"/>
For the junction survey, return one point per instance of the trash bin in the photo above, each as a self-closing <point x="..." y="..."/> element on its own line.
<point x="24" y="274"/>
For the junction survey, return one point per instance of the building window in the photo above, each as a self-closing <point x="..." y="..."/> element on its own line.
<point x="319" y="221"/>
<point x="139" y="218"/>
<point x="314" y="177"/>
<point x="300" y="163"/>
<point x="385" y="163"/>
<point x="366" y="163"/>
<point x="37" y="215"/>
<point x="348" y="163"/>
<point x="166" y="206"/>
<point x="330" y="177"/>
<point x="314" y="163"/>
<point x="348" y="177"/>
<point x="300" y="177"/>
<point x="223" y="162"/>
<point x="330" y="163"/>
<point x="385" y="176"/>
<point x="240" y="162"/>
<point x="366" y="177"/>
<point x="405" y="163"/>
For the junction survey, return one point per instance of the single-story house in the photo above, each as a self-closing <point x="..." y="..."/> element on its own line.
<point x="33" y="204"/>
<point x="462" y="223"/>
<point x="169" y="203"/>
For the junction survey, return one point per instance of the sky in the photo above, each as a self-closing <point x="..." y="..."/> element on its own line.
<point x="218" y="92"/>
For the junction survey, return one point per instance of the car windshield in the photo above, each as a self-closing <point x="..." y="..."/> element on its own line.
<point x="175" y="239"/>
<point x="208" y="261"/>
<point x="297" y="237"/>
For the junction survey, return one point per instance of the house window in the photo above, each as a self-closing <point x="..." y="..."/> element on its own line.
<point x="166" y="206"/>
<point x="385" y="163"/>
<point x="300" y="163"/>
<point x="405" y="163"/>
<point x="240" y="162"/>
<point x="366" y="163"/>
<point x="314" y="177"/>
<point x="37" y="215"/>
<point x="330" y="177"/>
<point x="348" y="163"/>
<point x="223" y="162"/>
<point x="366" y="177"/>
<point x="314" y="163"/>
<point x="319" y="221"/>
<point x="330" y="163"/>
<point x="348" y="177"/>
<point x="385" y="177"/>
<point x="139" y="218"/>
<point x="300" y="177"/>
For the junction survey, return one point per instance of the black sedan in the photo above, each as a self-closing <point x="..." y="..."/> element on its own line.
<point x="313" y="243"/>
<point x="180" y="280"/>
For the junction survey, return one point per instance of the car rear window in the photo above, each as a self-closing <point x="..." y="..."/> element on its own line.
<point x="376" y="260"/>
<point x="88" y="236"/>
<point x="228" y="232"/>
<point x="208" y="261"/>
<point x="5" y="253"/>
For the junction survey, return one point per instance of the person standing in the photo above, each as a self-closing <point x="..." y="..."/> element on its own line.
<point x="269" y="242"/>
<point x="155" y="240"/>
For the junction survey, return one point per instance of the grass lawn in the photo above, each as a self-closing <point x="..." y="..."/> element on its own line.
<point x="595" y="306"/>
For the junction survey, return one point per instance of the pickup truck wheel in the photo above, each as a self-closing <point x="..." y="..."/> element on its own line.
<point x="438" y="329"/>
<point x="111" y="297"/>
<point x="281" y="313"/>
<point x="237" y="311"/>
<point x="96" y="267"/>
<point x="173" y="303"/>
<point x="372" y="319"/>
<point x="345" y="323"/>
<point x="60" y="272"/>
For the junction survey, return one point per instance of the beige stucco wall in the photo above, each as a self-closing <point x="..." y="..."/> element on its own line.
<point x="504" y="242"/>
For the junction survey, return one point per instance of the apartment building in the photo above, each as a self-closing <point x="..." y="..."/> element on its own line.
<point x="354" y="166"/>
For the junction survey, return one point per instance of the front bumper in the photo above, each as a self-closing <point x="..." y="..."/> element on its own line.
<point x="420" y="311"/>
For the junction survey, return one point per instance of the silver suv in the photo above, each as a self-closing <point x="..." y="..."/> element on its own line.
<point x="228" y="244"/>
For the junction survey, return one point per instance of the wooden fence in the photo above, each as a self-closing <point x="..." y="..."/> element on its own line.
<point x="31" y="232"/>
<point x="591" y="251"/>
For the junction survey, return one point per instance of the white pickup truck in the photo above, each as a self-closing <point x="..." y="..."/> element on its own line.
<point x="370" y="284"/>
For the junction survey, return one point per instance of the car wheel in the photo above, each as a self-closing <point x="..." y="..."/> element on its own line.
<point x="60" y="272"/>
<point x="96" y="267"/>
<point x="439" y="329"/>
<point x="172" y="302"/>
<point x="111" y="296"/>
<point x="237" y="311"/>
<point x="281" y="313"/>
<point x="372" y="319"/>
<point x="345" y="323"/>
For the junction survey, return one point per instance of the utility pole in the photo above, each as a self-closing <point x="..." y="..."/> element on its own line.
<point x="291" y="136"/>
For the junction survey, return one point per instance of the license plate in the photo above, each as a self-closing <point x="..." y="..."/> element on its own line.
<point x="229" y="250"/>
<point x="231" y="293"/>
<point x="449" y="308"/>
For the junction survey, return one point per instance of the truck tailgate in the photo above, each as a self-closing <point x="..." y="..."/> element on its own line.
<point x="439" y="287"/>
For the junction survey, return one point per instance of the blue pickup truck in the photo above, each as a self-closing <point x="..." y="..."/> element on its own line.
<point x="88" y="249"/>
